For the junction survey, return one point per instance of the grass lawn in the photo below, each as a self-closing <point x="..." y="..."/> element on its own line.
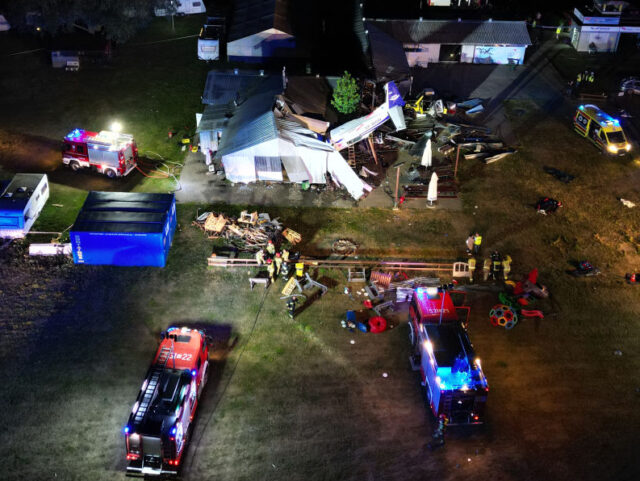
<point x="296" y="399"/>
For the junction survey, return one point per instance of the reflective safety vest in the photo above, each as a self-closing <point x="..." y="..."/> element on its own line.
<point x="477" y="240"/>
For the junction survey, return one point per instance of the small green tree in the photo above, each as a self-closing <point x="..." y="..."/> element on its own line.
<point x="346" y="95"/>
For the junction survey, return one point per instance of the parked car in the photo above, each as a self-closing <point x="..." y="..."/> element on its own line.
<point x="630" y="85"/>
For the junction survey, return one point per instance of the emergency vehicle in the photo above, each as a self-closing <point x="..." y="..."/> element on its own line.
<point x="110" y="153"/>
<point x="158" y="427"/>
<point x="451" y="373"/>
<point x="601" y="129"/>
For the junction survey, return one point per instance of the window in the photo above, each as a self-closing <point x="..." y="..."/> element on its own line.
<point x="616" y="137"/>
<point x="44" y="189"/>
<point x="80" y="149"/>
<point x="196" y="4"/>
<point x="66" y="147"/>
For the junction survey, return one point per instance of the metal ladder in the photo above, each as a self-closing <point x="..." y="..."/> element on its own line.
<point x="352" y="155"/>
<point x="163" y="357"/>
<point x="152" y="385"/>
<point x="147" y="397"/>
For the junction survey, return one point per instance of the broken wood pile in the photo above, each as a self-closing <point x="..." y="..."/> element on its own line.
<point x="476" y="142"/>
<point x="249" y="232"/>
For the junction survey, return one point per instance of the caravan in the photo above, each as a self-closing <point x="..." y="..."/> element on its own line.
<point x="181" y="7"/>
<point x="20" y="204"/>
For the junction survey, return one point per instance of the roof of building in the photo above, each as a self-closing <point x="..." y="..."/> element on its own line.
<point x="254" y="16"/>
<point x="227" y="86"/>
<point x="215" y="117"/>
<point x="455" y="32"/>
<point x="124" y="212"/>
<point x="253" y="121"/>
<point x="15" y="196"/>
<point x="387" y="56"/>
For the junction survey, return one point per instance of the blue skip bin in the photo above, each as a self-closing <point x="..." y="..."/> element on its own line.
<point x="124" y="229"/>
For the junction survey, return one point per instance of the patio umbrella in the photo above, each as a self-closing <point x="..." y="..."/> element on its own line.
<point x="432" y="193"/>
<point x="426" y="156"/>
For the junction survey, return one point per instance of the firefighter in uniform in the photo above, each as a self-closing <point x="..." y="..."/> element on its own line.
<point x="291" y="306"/>
<point x="285" y="255"/>
<point x="486" y="269"/>
<point x="472" y="268"/>
<point x="278" y="261"/>
<point x="271" y="249"/>
<point x="271" y="269"/>
<point x="506" y="267"/>
<point x="260" y="257"/>
<point x="439" y="433"/>
<point x="496" y="265"/>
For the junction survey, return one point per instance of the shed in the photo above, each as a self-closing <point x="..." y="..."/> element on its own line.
<point x="124" y="229"/>
<point x="260" y="29"/>
<point x="21" y="201"/>
<point x="431" y="41"/>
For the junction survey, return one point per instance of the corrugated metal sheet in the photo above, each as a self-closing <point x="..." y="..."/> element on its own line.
<point x="254" y="16"/>
<point x="214" y="117"/>
<point x="454" y="32"/>
<point x="222" y="88"/>
<point x="253" y="121"/>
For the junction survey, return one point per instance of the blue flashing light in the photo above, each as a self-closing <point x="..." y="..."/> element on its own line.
<point x="173" y="431"/>
<point x="194" y="372"/>
<point x="126" y="429"/>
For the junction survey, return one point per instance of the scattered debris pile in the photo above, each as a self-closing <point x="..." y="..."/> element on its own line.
<point x="249" y="232"/>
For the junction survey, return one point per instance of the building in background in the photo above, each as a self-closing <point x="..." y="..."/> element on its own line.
<point x="604" y="25"/>
<point x="462" y="41"/>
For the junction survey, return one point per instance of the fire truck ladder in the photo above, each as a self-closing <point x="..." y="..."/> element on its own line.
<point x="152" y="385"/>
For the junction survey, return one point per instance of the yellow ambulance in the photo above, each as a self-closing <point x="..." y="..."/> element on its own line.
<point x="601" y="129"/>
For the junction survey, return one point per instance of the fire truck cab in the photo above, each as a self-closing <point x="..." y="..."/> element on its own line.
<point x="110" y="153"/>
<point x="158" y="427"/>
<point x="451" y="374"/>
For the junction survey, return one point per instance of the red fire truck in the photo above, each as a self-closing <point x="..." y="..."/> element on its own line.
<point x="442" y="352"/>
<point x="158" y="427"/>
<point x="110" y="153"/>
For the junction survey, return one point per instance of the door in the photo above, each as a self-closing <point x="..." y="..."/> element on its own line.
<point x="595" y="133"/>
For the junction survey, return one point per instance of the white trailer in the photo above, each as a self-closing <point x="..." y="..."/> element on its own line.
<point x="182" y="7"/>
<point x="20" y="204"/>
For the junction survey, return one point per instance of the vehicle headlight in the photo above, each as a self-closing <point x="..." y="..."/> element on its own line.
<point x="612" y="149"/>
<point x="628" y="147"/>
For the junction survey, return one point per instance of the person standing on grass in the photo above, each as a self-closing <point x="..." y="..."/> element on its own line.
<point x="291" y="306"/>
<point x="278" y="261"/>
<point x="260" y="257"/>
<point x="477" y="242"/>
<point x="439" y="433"/>
<point x="271" y="269"/>
<point x="271" y="249"/>
<point x="469" y="243"/>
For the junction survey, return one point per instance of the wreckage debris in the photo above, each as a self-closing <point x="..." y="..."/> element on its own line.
<point x="250" y="232"/>
<point x="344" y="247"/>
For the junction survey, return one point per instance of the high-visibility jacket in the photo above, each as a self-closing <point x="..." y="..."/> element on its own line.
<point x="579" y="78"/>
<point x="278" y="261"/>
<point x="477" y="240"/>
<point x="271" y="269"/>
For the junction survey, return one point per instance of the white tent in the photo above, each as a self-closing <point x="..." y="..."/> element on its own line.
<point x="303" y="156"/>
<point x="427" y="154"/>
<point x="432" y="193"/>
<point x="4" y="25"/>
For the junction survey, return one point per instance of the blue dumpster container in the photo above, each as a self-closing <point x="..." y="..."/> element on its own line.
<point x="124" y="229"/>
